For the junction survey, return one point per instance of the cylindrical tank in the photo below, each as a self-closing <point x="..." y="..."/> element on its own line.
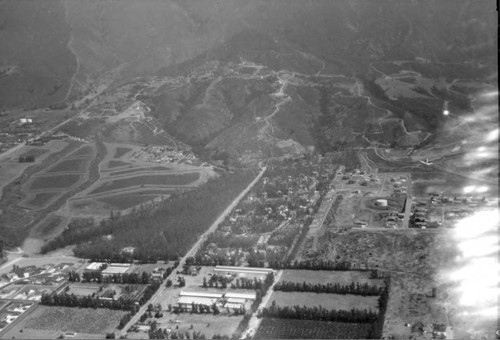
<point x="381" y="203"/>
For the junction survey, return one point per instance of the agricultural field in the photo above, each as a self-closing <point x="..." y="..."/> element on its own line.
<point x="85" y="150"/>
<point x="327" y="301"/>
<point x="71" y="165"/>
<point x="41" y="199"/>
<point x="271" y="328"/>
<point x="134" y="170"/>
<point x="51" y="322"/>
<point x="154" y="180"/>
<point x="54" y="182"/>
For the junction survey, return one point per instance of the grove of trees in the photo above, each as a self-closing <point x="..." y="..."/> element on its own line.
<point x="160" y="232"/>
<point x="329" y="288"/>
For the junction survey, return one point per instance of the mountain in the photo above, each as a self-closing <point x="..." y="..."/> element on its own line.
<point x="255" y="78"/>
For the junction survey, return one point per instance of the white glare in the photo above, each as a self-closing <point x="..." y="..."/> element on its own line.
<point x="446" y="112"/>
<point x="492" y="135"/>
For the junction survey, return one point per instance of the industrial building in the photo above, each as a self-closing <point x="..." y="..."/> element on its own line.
<point x="242" y="270"/>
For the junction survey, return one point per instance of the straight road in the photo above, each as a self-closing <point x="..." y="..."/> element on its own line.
<point x="155" y="298"/>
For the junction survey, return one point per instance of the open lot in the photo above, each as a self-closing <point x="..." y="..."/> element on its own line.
<point x="52" y="321"/>
<point x="327" y="301"/>
<point x="82" y="290"/>
<point x="271" y="328"/>
<point x="207" y="324"/>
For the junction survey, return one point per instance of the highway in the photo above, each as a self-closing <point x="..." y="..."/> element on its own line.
<point x="156" y="297"/>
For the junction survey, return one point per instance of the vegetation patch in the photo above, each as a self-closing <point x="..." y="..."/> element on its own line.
<point x="71" y="165"/>
<point x="326" y="276"/>
<point x="81" y="320"/>
<point x="126" y="201"/>
<point x="181" y="179"/>
<point x="54" y="182"/>
<point x="34" y="153"/>
<point x="330" y="301"/>
<point x="271" y="328"/>
<point x="163" y="231"/>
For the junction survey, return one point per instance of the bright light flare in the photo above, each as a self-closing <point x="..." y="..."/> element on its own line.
<point x="492" y="136"/>
<point x="478" y="273"/>
<point x="477" y="224"/>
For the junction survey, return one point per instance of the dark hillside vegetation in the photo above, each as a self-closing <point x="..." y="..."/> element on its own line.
<point x="163" y="232"/>
<point x="36" y="66"/>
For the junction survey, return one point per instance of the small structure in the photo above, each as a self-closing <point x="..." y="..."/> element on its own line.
<point x="381" y="203"/>
<point x="240" y="296"/>
<point x="187" y="299"/>
<point x="116" y="268"/>
<point x="242" y="270"/>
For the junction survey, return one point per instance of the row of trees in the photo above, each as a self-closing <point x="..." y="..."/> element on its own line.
<point x="180" y="219"/>
<point x="127" y="278"/>
<point x="245" y="283"/>
<point x="318" y="314"/>
<point x="71" y="300"/>
<point x="329" y="288"/>
<point x="196" y="308"/>
<point x="313" y="265"/>
<point x="94" y="301"/>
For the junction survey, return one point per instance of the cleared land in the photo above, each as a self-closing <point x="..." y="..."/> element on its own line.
<point x="64" y="319"/>
<point x="327" y="301"/>
<point x="181" y="179"/>
<point x="54" y="182"/>
<point x="71" y="165"/>
<point x="304" y="329"/>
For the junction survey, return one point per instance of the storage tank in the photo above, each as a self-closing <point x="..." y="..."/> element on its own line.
<point x="381" y="203"/>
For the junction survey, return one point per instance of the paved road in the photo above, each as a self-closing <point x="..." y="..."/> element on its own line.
<point x="155" y="298"/>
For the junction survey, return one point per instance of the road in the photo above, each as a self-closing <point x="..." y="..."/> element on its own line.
<point x="254" y="322"/>
<point x="155" y="298"/>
